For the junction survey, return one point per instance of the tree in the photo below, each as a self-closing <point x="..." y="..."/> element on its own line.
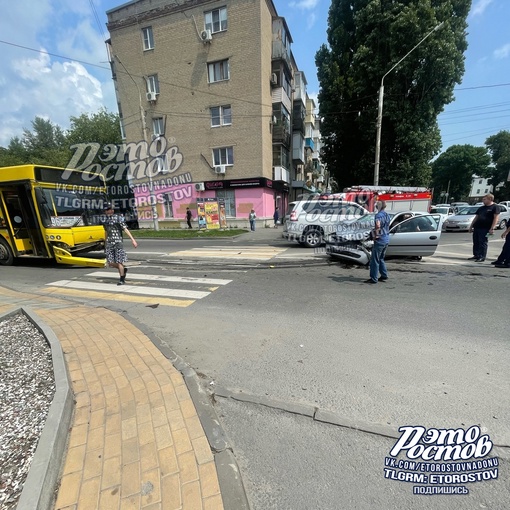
<point x="48" y="144"/>
<point x="453" y="170"/>
<point x="366" y="38"/>
<point x="44" y="145"/>
<point x="499" y="148"/>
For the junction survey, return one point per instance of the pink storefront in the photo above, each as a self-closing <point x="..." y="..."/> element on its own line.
<point x="239" y="195"/>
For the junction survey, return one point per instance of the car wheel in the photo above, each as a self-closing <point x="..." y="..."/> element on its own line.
<point x="6" y="256"/>
<point x="312" y="238"/>
<point x="502" y="224"/>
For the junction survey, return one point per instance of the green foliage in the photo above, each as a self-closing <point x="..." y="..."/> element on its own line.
<point x="44" y="145"/>
<point x="48" y="144"/>
<point x="499" y="148"/>
<point x="452" y="171"/>
<point x="366" y="38"/>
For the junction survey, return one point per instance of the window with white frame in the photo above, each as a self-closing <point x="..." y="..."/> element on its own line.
<point x="158" y="126"/>
<point x="148" y="38"/>
<point x="152" y="83"/>
<point x="216" y="21"/>
<point x="228" y="196"/>
<point x="223" y="156"/>
<point x="167" y="205"/>
<point x="218" y="71"/>
<point x="221" y="116"/>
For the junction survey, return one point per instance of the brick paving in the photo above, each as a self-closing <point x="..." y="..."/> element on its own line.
<point x="136" y="440"/>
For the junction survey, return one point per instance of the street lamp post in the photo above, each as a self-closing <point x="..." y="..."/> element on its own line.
<point x="380" y="107"/>
<point x="144" y="134"/>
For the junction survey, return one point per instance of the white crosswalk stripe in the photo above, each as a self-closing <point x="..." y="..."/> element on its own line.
<point x="238" y="252"/>
<point x="139" y="288"/>
<point x="161" y="278"/>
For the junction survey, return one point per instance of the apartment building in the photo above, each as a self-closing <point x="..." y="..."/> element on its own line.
<point x="209" y="87"/>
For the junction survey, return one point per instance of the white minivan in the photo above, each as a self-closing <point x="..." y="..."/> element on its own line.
<point x="309" y="221"/>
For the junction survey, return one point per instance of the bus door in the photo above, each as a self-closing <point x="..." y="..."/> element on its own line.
<point x="23" y="220"/>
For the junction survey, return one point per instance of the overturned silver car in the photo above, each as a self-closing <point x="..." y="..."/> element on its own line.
<point x="412" y="234"/>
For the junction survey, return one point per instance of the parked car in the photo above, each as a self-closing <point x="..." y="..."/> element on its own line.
<point x="504" y="216"/>
<point x="457" y="206"/>
<point x="444" y="212"/>
<point x="412" y="234"/>
<point x="505" y="203"/>
<point x="309" y="221"/>
<point x="462" y="220"/>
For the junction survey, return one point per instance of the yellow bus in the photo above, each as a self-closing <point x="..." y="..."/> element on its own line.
<point x="51" y="213"/>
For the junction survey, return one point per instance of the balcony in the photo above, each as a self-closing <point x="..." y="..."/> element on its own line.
<point x="309" y="144"/>
<point x="281" y="134"/>
<point x="281" y="174"/>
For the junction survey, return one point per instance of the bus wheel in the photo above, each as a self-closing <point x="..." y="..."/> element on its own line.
<point x="6" y="256"/>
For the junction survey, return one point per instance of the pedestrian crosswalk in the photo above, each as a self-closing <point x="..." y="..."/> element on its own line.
<point x="260" y="253"/>
<point x="179" y="291"/>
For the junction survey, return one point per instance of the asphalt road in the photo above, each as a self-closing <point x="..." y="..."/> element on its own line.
<point x="293" y="332"/>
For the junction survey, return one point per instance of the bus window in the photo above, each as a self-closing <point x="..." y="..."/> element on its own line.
<point x="68" y="209"/>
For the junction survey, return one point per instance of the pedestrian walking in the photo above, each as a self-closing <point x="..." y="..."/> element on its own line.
<point x="504" y="257"/>
<point x="482" y="226"/>
<point x="381" y="241"/>
<point x="252" y="217"/>
<point x="114" y="226"/>
<point x="189" y="217"/>
<point x="276" y="217"/>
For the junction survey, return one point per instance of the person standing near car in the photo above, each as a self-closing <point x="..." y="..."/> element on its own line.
<point x="504" y="257"/>
<point x="381" y="241"/>
<point x="114" y="226"/>
<point x="482" y="226"/>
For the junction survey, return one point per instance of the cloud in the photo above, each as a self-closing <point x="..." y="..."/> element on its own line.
<point x="502" y="52"/>
<point x="479" y="7"/>
<point x="34" y="83"/>
<point x="305" y="5"/>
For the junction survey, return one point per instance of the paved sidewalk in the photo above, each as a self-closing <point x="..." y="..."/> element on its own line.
<point x="136" y="440"/>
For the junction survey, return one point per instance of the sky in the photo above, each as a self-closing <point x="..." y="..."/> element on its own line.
<point x="35" y="79"/>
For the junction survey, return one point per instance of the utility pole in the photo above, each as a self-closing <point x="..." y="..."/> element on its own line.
<point x="380" y="105"/>
<point x="144" y="135"/>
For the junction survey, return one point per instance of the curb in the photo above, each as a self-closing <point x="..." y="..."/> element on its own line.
<point x="232" y="488"/>
<point x="41" y="482"/>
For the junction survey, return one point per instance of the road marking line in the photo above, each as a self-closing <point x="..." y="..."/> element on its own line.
<point x="237" y="252"/>
<point x="128" y="289"/>
<point x="182" y="303"/>
<point x="161" y="278"/>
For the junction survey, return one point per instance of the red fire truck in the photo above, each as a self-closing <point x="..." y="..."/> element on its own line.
<point x="397" y="198"/>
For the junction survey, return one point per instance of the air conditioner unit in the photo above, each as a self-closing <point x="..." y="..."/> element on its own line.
<point x="199" y="186"/>
<point x="151" y="96"/>
<point x="274" y="79"/>
<point x="220" y="169"/>
<point x="206" y="35"/>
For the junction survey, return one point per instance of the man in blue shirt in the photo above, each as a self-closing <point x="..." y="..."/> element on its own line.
<point x="381" y="241"/>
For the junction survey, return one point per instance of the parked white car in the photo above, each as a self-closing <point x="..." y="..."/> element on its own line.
<point x="309" y="221"/>
<point x="443" y="212"/>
